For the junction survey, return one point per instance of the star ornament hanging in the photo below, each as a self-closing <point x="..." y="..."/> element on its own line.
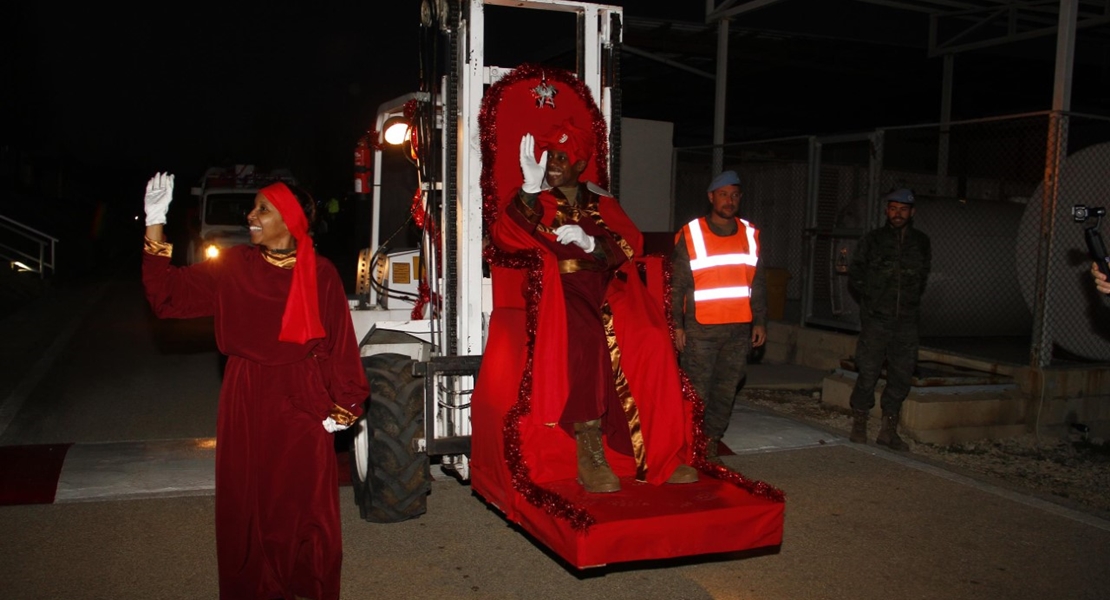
<point x="544" y="93"/>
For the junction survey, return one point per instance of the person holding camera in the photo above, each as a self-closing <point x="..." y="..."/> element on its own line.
<point x="1101" y="283"/>
<point x="887" y="276"/>
<point x="1080" y="213"/>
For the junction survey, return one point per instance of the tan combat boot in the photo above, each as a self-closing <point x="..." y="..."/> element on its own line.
<point x="593" y="470"/>
<point x="888" y="434"/>
<point x="683" y="474"/>
<point x="859" y="427"/>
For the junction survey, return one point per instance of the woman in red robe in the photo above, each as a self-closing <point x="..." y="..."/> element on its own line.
<point x="293" y="378"/>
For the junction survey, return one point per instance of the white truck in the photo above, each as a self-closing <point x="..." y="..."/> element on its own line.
<point x="223" y="199"/>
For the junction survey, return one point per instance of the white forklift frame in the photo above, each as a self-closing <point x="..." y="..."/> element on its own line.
<point x="447" y="345"/>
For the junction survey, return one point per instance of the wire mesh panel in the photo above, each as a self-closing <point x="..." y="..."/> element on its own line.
<point x="841" y="208"/>
<point x="1004" y="249"/>
<point x="1076" y="318"/>
<point x="973" y="182"/>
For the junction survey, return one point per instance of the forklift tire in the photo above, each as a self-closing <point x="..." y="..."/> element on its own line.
<point x="391" y="479"/>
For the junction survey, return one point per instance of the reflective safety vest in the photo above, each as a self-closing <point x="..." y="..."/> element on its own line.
<point x="723" y="269"/>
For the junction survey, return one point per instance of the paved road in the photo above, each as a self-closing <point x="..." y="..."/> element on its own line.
<point x="860" y="522"/>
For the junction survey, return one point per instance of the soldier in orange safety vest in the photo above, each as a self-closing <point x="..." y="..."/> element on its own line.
<point x="719" y="303"/>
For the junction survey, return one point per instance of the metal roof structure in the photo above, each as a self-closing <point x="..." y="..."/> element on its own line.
<point x="959" y="25"/>
<point x="809" y="66"/>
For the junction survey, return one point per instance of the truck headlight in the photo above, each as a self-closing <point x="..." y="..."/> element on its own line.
<point x="211" y="251"/>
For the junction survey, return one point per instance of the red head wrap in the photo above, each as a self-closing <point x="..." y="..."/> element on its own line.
<point x="577" y="143"/>
<point x="301" y="321"/>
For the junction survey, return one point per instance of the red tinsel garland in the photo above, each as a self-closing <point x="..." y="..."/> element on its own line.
<point x="416" y="209"/>
<point x="752" y="486"/>
<point x="424" y="293"/>
<point x="552" y="503"/>
<point x="420" y="217"/>
<point x="488" y="129"/>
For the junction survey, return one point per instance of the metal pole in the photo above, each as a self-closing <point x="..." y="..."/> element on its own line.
<point x="945" y="121"/>
<point x="1065" y="54"/>
<point x="375" y="208"/>
<point x="1056" y="152"/>
<point x="720" y="96"/>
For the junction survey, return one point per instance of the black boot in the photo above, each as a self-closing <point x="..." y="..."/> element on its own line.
<point x="888" y="434"/>
<point x="859" y="427"/>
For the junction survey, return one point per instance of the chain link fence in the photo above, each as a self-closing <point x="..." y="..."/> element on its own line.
<point x="1010" y="278"/>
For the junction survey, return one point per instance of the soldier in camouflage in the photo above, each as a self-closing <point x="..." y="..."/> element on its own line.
<point x="719" y="303"/>
<point x="887" y="276"/>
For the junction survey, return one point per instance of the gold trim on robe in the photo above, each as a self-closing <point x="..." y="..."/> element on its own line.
<point x="573" y="265"/>
<point x="285" y="259"/>
<point x="624" y="394"/>
<point x="341" y="415"/>
<point x="154" y="248"/>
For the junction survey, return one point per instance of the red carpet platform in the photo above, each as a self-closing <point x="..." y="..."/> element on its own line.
<point x="645" y="522"/>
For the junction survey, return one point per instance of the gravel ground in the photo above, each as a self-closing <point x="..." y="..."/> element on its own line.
<point x="1073" y="472"/>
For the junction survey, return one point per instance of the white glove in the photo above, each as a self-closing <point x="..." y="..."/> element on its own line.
<point x="534" y="172"/>
<point x="331" y="426"/>
<point x="573" y="234"/>
<point x="159" y="193"/>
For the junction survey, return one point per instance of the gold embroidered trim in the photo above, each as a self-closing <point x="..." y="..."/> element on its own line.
<point x="341" y="415"/>
<point x="565" y="213"/>
<point x="624" y="394"/>
<point x="285" y="260"/>
<point x="164" y="249"/>
<point x="527" y="211"/>
<point x="573" y="265"/>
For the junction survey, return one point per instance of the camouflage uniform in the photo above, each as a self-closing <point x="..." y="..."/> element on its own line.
<point x="887" y="276"/>
<point x="715" y="356"/>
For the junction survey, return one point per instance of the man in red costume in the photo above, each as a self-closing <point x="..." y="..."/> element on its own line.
<point x="578" y="364"/>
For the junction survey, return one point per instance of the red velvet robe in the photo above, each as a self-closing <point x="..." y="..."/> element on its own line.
<point x="646" y="354"/>
<point x="277" y="498"/>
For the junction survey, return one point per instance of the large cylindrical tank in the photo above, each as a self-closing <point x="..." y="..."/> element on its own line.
<point x="1077" y="319"/>
<point x="973" y="287"/>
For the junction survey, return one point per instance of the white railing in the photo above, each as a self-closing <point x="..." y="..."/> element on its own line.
<point x="25" y="247"/>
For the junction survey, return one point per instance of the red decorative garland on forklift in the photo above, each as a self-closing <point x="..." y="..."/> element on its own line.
<point x="420" y="218"/>
<point x="754" y="487"/>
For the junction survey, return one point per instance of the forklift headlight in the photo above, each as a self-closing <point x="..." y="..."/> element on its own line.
<point x="396" y="130"/>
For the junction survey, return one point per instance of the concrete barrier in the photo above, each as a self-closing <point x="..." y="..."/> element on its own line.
<point x="1054" y="401"/>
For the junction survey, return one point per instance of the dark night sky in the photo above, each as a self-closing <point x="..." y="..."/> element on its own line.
<point x="125" y="92"/>
<point x="180" y="89"/>
<point x="185" y="86"/>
